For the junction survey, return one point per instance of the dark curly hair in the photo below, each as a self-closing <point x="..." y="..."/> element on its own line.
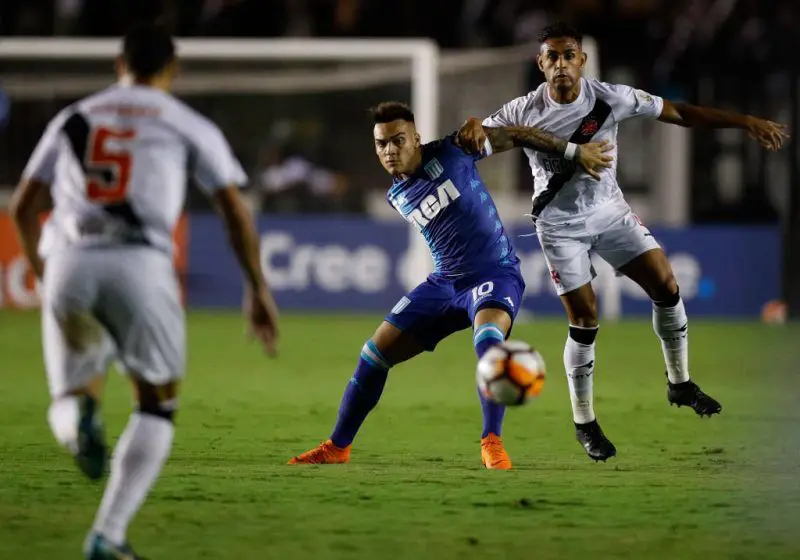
<point x="390" y="111"/>
<point x="560" y="30"/>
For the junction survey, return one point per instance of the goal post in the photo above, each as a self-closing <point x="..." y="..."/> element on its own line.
<point x="422" y="53"/>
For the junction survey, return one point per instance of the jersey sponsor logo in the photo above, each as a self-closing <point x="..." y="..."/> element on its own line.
<point x="557" y="165"/>
<point x="434" y="169"/>
<point x="432" y="205"/>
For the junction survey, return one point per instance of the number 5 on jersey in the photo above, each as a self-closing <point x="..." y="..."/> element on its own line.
<point x="108" y="165"/>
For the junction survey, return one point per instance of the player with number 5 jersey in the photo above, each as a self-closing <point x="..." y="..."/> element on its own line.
<point x="114" y="168"/>
<point x="476" y="281"/>
<point x="117" y="163"/>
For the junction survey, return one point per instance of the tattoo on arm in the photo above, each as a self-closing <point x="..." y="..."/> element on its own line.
<point x="506" y="138"/>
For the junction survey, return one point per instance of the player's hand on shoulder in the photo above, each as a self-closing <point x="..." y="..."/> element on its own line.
<point x="594" y="157"/>
<point x="262" y="315"/>
<point x="471" y="137"/>
<point x="770" y="135"/>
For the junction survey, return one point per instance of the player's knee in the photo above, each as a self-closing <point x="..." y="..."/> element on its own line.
<point x="161" y="409"/>
<point x="157" y="400"/>
<point x="666" y="291"/>
<point x="581" y="307"/>
<point x="374" y="357"/>
<point x="583" y="314"/>
<point x="587" y="321"/>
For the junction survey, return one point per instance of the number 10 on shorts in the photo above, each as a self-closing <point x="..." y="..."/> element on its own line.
<point x="483" y="290"/>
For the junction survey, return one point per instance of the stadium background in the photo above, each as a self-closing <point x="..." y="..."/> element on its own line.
<point x="727" y="213"/>
<point x="299" y="127"/>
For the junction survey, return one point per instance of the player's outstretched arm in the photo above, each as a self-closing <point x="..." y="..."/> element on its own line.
<point x="29" y="200"/>
<point x="259" y="304"/>
<point x="473" y="137"/>
<point x="769" y="134"/>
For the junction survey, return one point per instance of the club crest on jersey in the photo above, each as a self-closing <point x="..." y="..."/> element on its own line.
<point x="434" y="169"/>
<point x="589" y="127"/>
<point x="432" y="205"/>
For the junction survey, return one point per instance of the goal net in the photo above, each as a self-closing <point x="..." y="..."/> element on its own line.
<point x="306" y="97"/>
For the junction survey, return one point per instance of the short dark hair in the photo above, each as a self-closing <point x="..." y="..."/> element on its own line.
<point x="389" y="111"/>
<point x="560" y="30"/>
<point x="147" y="49"/>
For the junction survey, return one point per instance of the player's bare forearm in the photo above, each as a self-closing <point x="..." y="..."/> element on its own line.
<point x="508" y="137"/>
<point x="472" y="135"/>
<point x="28" y="202"/>
<point x="242" y="235"/>
<point x="770" y="135"/>
<point x="692" y="116"/>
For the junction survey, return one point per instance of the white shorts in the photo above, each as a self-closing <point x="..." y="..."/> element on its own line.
<point x="100" y="305"/>
<point x="617" y="236"/>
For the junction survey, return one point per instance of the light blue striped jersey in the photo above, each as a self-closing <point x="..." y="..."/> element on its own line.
<point x="447" y="201"/>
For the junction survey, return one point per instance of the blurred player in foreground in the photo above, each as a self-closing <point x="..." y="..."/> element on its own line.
<point x="114" y="168"/>
<point x="476" y="282"/>
<point x="575" y="216"/>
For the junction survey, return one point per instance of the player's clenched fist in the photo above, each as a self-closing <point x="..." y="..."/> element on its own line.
<point x="471" y="137"/>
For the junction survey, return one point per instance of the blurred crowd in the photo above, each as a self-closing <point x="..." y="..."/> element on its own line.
<point x="664" y="41"/>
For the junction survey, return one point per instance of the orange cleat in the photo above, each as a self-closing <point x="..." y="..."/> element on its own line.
<point x="493" y="454"/>
<point x="324" y="454"/>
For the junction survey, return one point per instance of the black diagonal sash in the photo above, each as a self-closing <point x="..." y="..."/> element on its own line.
<point x="587" y="128"/>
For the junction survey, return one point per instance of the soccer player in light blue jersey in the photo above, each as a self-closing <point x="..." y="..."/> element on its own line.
<point x="476" y="282"/>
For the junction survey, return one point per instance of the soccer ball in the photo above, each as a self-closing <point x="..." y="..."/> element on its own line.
<point x="511" y="373"/>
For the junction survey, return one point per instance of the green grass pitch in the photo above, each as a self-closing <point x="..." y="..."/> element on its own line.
<point x="681" y="487"/>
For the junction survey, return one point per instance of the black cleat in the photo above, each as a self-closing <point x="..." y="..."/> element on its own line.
<point x="92" y="454"/>
<point x="598" y="447"/>
<point x="689" y="394"/>
<point x="97" y="547"/>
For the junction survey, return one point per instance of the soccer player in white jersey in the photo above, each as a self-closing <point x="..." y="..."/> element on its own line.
<point x="114" y="168"/>
<point x="575" y="215"/>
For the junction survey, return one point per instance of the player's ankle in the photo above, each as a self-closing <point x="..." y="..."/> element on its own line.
<point x="63" y="417"/>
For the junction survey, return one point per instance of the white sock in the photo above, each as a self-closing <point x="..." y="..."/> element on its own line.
<point x="63" y="417"/>
<point x="671" y="326"/>
<point x="579" y="364"/>
<point x="138" y="458"/>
